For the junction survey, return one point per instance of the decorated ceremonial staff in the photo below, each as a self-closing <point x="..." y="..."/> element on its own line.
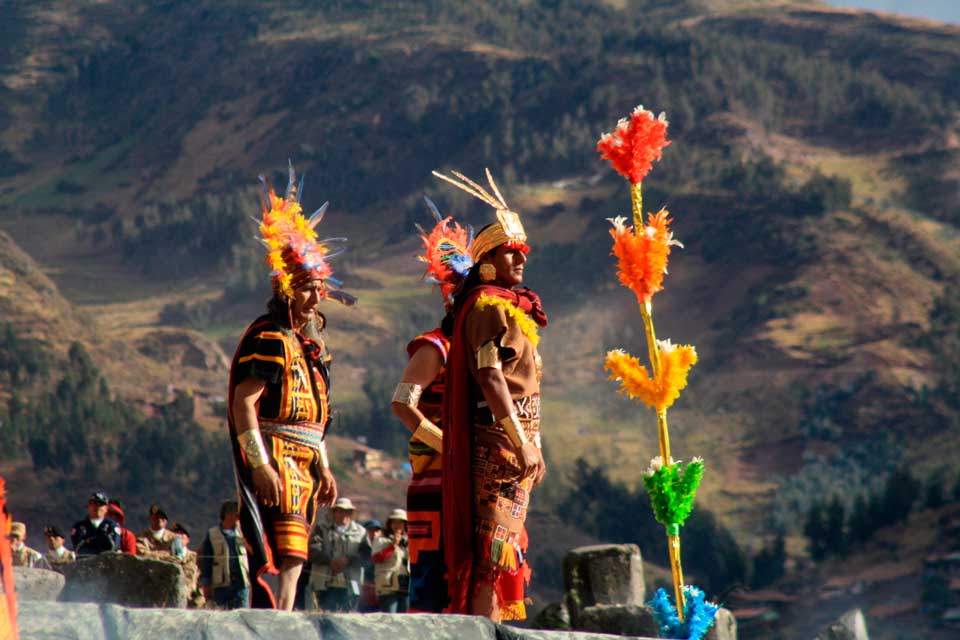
<point x="642" y="251"/>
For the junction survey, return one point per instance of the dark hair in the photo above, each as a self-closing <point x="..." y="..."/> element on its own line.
<point x="446" y="325"/>
<point x="471" y="282"/>
<point x="228" y="506"/>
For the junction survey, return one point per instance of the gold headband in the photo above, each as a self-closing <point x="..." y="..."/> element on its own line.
<point x="507" y="228"/>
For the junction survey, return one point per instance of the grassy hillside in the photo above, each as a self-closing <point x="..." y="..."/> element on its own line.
<point x="812" y="177"/>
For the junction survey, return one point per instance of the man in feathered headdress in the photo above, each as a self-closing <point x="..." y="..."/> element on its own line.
<point x="491" y="418"/>
<point x="278" y="406"/>
<point x="417" y="402"/>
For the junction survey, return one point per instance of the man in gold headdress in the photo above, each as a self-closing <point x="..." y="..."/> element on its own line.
<point x="278" y="406"/>
<point x="491" y="417"/>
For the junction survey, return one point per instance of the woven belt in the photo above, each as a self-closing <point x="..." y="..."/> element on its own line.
<point x="309" y="434"/>
<point x="527" y="408"/>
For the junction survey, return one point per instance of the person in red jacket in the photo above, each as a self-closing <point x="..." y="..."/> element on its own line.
<point x="128" y="541"/>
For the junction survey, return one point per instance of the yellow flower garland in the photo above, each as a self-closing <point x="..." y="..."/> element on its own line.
<point x="525" y="322"/>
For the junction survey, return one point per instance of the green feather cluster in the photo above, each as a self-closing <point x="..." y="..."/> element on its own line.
<point x="672" y="490"/>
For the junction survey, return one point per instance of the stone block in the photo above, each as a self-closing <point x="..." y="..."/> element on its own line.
<point x="39" y="620"/>
<point x="724" y="626"/>
<point x="850" y="626"/>
<point x="606" y="574"/>
<point x="37" y="584"/>
<point x="618" y="619"/>
<point x="385" y="626"/>
<point x="553" y="616"/>
<point x="126" y="580"/>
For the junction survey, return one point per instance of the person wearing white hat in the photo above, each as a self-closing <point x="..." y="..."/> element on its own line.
<point x="338" y="551"/>
<point x="391" y="562"/>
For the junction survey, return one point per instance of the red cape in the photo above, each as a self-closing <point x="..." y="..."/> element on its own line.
<point x="457" y="447"/>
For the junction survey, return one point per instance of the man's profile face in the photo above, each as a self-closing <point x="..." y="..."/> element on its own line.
<point x="54" y="542"/>
<point x="15" y="542"/>
<point x="342" y="517"/>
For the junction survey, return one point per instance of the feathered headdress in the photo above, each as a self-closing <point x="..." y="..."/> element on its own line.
<point x="294" y="254"/>
<point x="506" y="230"/>
<point x="446" y="252"/>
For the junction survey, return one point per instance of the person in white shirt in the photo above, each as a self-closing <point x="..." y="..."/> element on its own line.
<point x="391" y="563"/>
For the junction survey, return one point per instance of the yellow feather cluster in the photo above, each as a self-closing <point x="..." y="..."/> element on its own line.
<point x="660" y="392"/>
<point x="525" y="322"/>
<point x="283" y="225"/>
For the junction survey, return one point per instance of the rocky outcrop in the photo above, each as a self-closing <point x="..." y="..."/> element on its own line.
<point x="620" y="619"/>
<point x="37" y="584"/>
<point x="125" y="579"/>
<point x="850" y="626"/>
<point x="87" y="621"/>
<point x="724" y="626"/>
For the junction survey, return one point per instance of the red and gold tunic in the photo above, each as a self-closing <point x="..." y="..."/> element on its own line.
<point x="428" y="586"/>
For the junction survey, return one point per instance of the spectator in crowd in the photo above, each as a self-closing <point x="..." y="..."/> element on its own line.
<point x="57" y="555"/>
<point x="224" y="569"/>
<point x="24" y="556"/>
<point x="338" y="551"/>
<point x="191" y="571"/>
<point x="158" y="541"/>
<point x="392" y="565"/>
<point x="96" y="533"/>
<point x="128" y="541"/>
<point x="368" y="593"/>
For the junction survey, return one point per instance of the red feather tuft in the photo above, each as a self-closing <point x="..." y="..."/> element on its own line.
<point x="635" y="144"/>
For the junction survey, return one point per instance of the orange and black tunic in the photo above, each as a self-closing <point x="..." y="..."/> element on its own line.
<point x="292" y="412"/>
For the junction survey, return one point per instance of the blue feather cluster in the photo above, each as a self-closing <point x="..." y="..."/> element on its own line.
<point x="698" y="614"/>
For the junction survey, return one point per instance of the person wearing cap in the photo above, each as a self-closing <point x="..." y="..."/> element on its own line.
<point x="128" y="541"/>
<point x="96" y="533"/>
<point x="24" y="556"/>
<point x="338" y="551"/>
<point x="278" y="407"/>
<point x="392" y="565"/>
<point x="368" y="592"/>
<point x="189" y="564"/>
<point x="224" y="569"/>
<point x="491" y="419"/>
<point x="158" y="541"/>
<point x="57" y="554"/>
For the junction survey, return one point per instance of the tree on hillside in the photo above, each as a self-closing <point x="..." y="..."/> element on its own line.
<point x="769" y="563"/>
<point x="815" y="528"/>
<point x="834" y="538"/>
<point x="899" y="495"/>
<point x="860" y="526"/>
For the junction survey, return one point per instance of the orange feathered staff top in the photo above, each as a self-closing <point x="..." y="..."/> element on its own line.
<point x="642" y="254"/>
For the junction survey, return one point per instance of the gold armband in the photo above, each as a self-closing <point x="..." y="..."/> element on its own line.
<point x="407" y="393"/>
<point x="324" y="460"/>
<point x="489" y="356"/>
<point x="511" y="424"/>
<point x="429" y="434"/>
<point x="252" y="445"/>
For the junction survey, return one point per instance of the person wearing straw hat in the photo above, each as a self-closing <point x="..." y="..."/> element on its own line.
<point x="491" y="417"/>
<point x="57" y="554"/>
<point x="24" y="556"/>
<point x="338" y="551"/>
<point x="392" y="564"/>
<point x="278" y="407"/>
<point x="417" y="402"/>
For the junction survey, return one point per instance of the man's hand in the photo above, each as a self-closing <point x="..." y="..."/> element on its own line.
<point x="266" y="481"/>
<point x="530" y="461"/>
<point x="542" y="471"/>
<point x="328" y="488"/>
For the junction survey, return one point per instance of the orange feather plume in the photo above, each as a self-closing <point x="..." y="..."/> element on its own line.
<point x="635" y="144"/>
<point x="663" y="390"/>
<point x="642" y="256"/>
